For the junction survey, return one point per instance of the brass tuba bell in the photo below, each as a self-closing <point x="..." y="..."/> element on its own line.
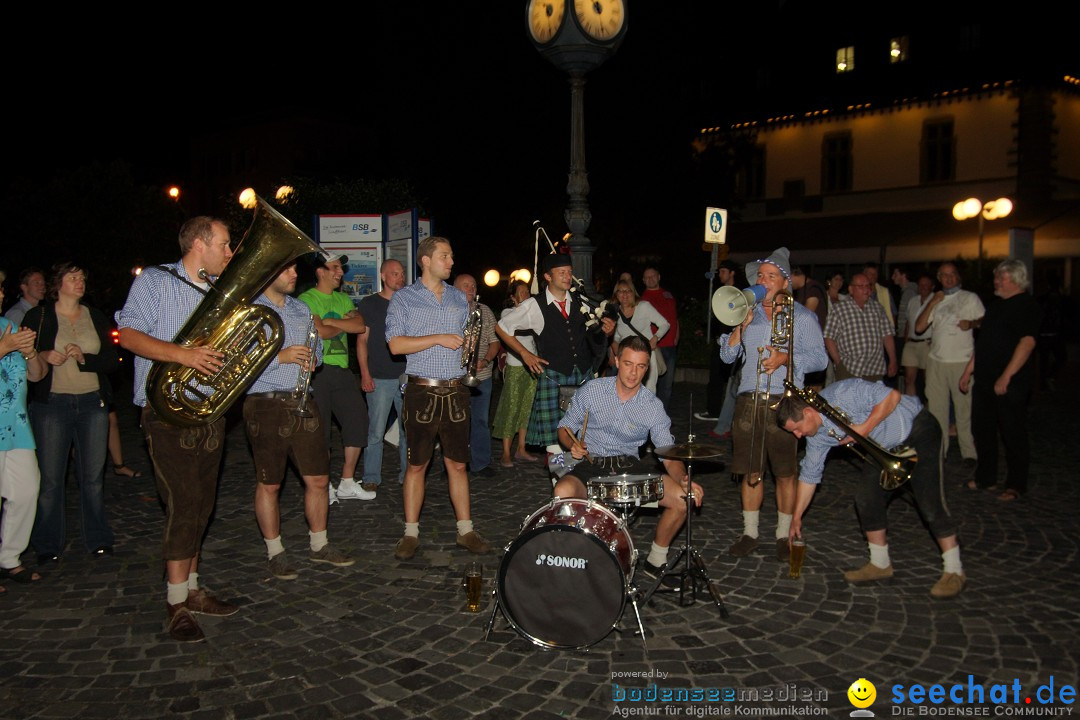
<point x="248" y="335"/>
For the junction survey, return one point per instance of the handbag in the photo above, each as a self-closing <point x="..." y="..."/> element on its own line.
<point x="661" y="366"/>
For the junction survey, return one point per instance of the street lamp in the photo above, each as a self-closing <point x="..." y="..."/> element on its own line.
<point x="990" y="210"/>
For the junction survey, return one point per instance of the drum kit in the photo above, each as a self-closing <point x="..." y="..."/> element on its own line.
<point x="566" y="580"/>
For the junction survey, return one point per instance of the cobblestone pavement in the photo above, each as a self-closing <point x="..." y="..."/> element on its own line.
<point x="388" y="639"/>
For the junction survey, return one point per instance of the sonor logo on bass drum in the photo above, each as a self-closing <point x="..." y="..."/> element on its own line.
<point x="562" y="561"/>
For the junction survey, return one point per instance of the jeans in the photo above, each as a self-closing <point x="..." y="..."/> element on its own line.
<point x="665" y="381"/>
<point x="82" y="420"/>
<point x="386" y="395"/>
<point x="727" y="411"/>
<point x="480" y="435"/>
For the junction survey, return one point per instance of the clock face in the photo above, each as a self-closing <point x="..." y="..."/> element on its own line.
<point x="545" y="18"/>
<point x="600" y="19"/>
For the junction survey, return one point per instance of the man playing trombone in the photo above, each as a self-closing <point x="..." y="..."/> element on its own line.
<point x="755" y="436"/>
<point x="283" y="423"/>
<point x="878" y="417"/>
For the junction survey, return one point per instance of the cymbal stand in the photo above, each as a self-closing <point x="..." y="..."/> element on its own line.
<point x="694" y="570"/>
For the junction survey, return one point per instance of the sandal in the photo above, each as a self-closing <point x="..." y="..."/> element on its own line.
<point x="131" y="472"/>
<point x="1009" y="495"/>
<point x="20" y="575"/>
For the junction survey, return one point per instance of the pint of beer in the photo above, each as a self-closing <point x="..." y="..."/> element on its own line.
<point x="798" y="552"/>
<point x="473" y="581"/>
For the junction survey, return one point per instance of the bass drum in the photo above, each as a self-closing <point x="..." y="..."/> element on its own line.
<point x="563" y="582"/>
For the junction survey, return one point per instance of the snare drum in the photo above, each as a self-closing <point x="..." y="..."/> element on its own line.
<point x="626" y="489"/>
<point x="563" y="582"/>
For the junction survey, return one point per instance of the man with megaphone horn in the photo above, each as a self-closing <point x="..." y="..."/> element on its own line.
<point x="755" y="435"/>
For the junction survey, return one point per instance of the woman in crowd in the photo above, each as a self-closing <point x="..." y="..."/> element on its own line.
<point x="519" y="386"/>
<point x="18" y="464"/>
<point x="69" y="407"/>
<point x="637" y="317"/>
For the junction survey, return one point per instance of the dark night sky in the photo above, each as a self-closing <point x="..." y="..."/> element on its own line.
<point x="458" y="97"/>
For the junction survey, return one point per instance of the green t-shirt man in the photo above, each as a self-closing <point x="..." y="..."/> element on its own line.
<point x="334" y="305"/>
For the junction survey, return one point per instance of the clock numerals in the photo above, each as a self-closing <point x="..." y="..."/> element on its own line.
<point x="545" y="18"/>
<point x="601" y="19"/>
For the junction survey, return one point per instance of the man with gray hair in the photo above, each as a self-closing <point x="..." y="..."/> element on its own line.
<point x="1003" y="365"/>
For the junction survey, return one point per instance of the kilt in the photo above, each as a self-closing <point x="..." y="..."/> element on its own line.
<point x="544" y="420"/>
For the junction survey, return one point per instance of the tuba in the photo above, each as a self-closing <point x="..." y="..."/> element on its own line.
<point x="470" y="355"/>
<point x="249" y="336"/>
<point x="897" y="465"/>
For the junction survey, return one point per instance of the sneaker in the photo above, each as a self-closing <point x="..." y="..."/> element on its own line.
<point x="406" y="547"/>
<point x="652" y="572"/>
<point x="743" y="547"/>
<point x="181" y="624"/>
<point x="783" y="550"/>
<point x="948" y="585"/>
<point x="868" y="573"/>
<point x="330" y="555"/>
<point x="332" y="493"/>
<point x="487" y="473"/>
<point x="705" y="416"/>
<point x="200" y="601"/>
<point x="472" y="542"/>
<point x="349" y="490"/>
<point x="281" y="568"/>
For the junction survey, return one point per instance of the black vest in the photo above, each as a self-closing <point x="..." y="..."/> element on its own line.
<point x="565" y="342"/>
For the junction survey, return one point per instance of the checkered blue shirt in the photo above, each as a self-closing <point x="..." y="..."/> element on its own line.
<point x="158" y="305"/>
<point x="856" y="398"/>
<point x="809" y="349"/>
<point x="415" y="312"/>
<point x="295" y="316"/>
<point x="617" y="428"/>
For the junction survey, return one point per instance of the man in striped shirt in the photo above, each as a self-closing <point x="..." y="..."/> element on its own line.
<point x="425" y="322"/>
<point x="622" y="416"/>
<point x="277" y="434"/>
<point x="889" y="419"/>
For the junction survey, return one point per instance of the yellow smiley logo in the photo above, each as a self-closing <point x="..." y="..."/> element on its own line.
<point x="862" y="693"/>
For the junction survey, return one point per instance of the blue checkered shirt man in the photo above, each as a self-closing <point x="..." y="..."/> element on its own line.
<point x="856" y="398"/>
<point x="295" y="317"/>
<point x="157" y="305"/>
<point x="415" y="312"/>
<point x="809" y="349"/>
<point x="617" y="428"/>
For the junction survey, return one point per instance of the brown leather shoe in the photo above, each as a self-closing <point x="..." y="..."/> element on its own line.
<point x="181" y="624"/>
<point x="948" y="585"/>
<point x="472" y="542"/>
<point x="743" y="546"/>
<point x="406" y="547"/>
<point x="200" y="601"/>
<point x="868" y="573"/>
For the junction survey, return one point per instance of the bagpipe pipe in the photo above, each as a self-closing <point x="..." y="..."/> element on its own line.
<point x="595" y="307"/>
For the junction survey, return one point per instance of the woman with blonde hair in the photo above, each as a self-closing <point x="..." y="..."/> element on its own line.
<point x="639" y="317"/>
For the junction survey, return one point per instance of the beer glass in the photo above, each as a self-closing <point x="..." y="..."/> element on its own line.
<point x="795" y="560"/>
<point x="472" y="580"/>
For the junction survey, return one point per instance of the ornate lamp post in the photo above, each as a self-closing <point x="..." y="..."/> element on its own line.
<point x="577" y="42"/>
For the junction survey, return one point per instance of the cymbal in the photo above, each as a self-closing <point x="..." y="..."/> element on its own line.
<point x="689" y="451"/>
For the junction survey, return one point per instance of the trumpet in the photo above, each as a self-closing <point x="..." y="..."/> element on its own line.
<point x="303" y="380"/>
<point x="897" y="465"/>
<point x="470" y="355"/>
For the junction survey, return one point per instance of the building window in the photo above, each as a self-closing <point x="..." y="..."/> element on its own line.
<point x="836" y="162"/>
<point x="898" y="49"/>
<point x="845" y="59"/>
<point x="753" y="175"/>
<point x="938" y="152"/>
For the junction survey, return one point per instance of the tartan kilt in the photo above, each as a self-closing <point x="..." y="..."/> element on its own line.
<point x="545" y="416"/>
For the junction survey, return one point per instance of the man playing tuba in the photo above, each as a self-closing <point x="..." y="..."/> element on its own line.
<point x="186" y="459"/>
<point x="888" y="418"/>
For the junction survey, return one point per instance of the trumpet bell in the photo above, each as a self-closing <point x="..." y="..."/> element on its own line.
<point x="730" y="305"/>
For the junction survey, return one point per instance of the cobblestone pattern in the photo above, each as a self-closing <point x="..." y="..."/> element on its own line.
<point x="385" y="639"/>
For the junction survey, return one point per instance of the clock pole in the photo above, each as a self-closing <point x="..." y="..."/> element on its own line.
<point x="577" y="213"/>
<point x="577" y="36"/>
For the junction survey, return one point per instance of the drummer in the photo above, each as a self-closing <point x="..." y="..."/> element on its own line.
<point x="619" y="416"/>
